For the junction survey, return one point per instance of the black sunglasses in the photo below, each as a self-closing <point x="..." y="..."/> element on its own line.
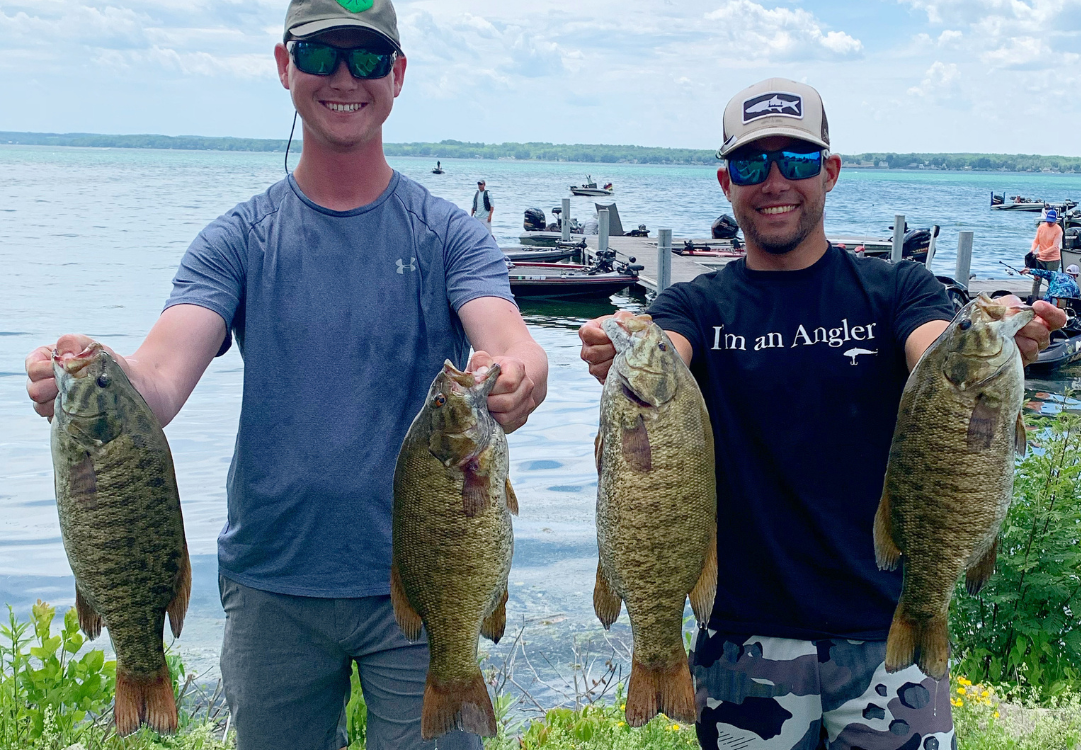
<point x="317" y="59"/>
<point x="747" y="167"/>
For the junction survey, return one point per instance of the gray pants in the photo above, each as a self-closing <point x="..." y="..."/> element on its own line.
<point x="286" y="663"/>
<point x="1047" y="265"/>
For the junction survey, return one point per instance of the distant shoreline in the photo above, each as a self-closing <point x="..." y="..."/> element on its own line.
<point x="587" y="153"/>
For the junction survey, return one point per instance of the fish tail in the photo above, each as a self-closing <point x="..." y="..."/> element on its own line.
<point x="145" y="699"/>
<point x="457" y="705"/>
<point x="924" y="642"/>
<point x="660" y="689"/>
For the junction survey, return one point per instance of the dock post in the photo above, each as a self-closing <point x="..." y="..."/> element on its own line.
<point x="664" y="259"/>
<point x="602" y="240"/>
<point x="931" y="247"/>
<point x="964" y="258"/>
<point x="565" y="222"/>
<point x="898" y="238"/>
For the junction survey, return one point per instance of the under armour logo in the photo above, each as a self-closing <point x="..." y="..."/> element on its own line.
<point x="402" y="266"/>
<point x="853" y="353"/>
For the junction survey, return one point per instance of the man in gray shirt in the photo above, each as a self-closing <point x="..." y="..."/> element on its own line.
<point x="346" y="285"/>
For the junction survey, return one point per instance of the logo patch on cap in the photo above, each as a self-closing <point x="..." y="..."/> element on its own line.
<point x="773" y="104"/>
<point x="356" y="6"/>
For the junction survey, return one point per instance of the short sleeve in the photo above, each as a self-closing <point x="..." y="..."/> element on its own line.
<point x="919" y="298"/>
<point x="673" y="310"/>
<point x="212" y="271"/>
<point x="475" y="266"/>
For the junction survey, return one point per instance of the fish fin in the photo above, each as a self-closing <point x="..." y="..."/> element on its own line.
<point x="89" y="619"/>
<point x="705" y="590"/>
<point x="83" y="482"/>
<point x="456" y="705"/>
<point x="636" y="449"/>
<point x="1020" y="437"/>
<point x="408" y="619"/>
<point x="979" y="573"/>
<point x="606" y="602"/>
<point x="178" y="607"/>
<point x="598" y="449"/>
<point x="665" y="689"/>
<point x="887" y="554"/>
<point x="146" y="700"/>
<point x="494" y="624"/>
<point x="512" y="499"/>
<point x="925" y="643"/>
<point x="981" y="425"/>
<point x="476" y="490"/>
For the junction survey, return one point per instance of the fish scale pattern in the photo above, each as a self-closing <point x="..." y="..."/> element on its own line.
<point x="949" y="480"/>
<point x="122" y="527"/>
<point x="656" y="497"/>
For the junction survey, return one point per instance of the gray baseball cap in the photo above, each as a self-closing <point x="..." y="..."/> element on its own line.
<point x="306" y="18"/>
<point x="775" y="106"/>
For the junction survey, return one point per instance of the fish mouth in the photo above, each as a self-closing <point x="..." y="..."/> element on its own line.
<point x="630" y="395"/>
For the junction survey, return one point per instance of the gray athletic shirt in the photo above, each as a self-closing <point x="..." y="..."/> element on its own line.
<point x="343" y="319"/>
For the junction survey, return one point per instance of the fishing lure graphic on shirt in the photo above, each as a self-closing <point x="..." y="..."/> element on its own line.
<point x="803" y="336"/>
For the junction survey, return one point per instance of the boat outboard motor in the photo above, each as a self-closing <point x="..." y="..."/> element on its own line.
<point x="534" y="220"/>
<point x="1072" y="239"/>
<point x="725" y="228"/>
<point x="916" y="243"/>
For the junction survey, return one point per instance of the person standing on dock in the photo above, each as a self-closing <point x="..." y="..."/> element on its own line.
<point x="1047" y="247"/>
<point x="802" y="350"/>
<point x="483" y="207"/>
<point x="346" y="285"/>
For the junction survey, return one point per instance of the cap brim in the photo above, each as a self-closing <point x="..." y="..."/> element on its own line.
<point x="308" y="30"/>
<point x="757" y="135"/>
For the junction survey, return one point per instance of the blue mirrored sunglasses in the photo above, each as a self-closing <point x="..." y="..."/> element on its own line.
<point x="752" y="168"/>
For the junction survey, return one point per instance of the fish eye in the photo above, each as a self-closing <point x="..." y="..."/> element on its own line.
<point x="439" y="400"/>
<point x="104" y="381"/>
<point x="965" y="324"/>
<point x="662" y="346"/>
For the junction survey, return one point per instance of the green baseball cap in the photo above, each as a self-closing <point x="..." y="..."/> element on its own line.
<point x="306" y="18"/>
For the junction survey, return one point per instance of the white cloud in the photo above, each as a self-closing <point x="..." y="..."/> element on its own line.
<point x="941" y="84"/>
<point x="777" y="34"/>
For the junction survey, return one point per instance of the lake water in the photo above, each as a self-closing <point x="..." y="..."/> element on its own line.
<point x="89" y="241"/>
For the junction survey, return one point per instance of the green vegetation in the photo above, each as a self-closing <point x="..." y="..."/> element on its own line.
<point x="560" y="152"/>
<point x="51" y="698"/>
<point x="1023" y="628"/>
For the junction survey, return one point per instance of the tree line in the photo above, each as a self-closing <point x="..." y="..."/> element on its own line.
<point x="537" y="151"/>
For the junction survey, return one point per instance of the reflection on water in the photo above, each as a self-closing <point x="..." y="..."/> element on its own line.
<point x="1050" y="393"/>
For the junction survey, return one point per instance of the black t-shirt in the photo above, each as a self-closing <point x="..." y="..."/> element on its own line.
<point x="802" y="372"/>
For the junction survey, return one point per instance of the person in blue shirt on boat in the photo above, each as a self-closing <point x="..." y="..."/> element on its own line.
<point x="1060" y="286"/>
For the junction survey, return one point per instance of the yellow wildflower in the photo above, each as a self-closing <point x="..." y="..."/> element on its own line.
<point x="623" y="707"/>
<point x="985" y="693"/>
<point x="675" y="727"/>
<point x="964" y="681"/>
<point x="996" y="714"/>
<point x="620" y="724"/>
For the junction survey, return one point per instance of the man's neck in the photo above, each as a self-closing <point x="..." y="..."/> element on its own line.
<point x="804" y="255"/>
<point x="342" y="179"/>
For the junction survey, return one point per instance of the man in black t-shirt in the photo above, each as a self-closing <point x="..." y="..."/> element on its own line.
<point x="802" y="350"/>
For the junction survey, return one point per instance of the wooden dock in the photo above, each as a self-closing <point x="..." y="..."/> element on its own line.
<point x="686" y="267"/>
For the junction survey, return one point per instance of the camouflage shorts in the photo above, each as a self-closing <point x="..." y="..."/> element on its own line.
<point x="756" y="693"/>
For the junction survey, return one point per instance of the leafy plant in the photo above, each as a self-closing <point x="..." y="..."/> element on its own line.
<point x="1023" y="627"/>
<point x="42" y="676"/>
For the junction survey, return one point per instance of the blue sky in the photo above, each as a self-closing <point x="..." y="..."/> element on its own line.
<point x="896" y="75"/>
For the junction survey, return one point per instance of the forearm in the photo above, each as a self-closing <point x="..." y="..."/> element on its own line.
<point x="167" y="366"/>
